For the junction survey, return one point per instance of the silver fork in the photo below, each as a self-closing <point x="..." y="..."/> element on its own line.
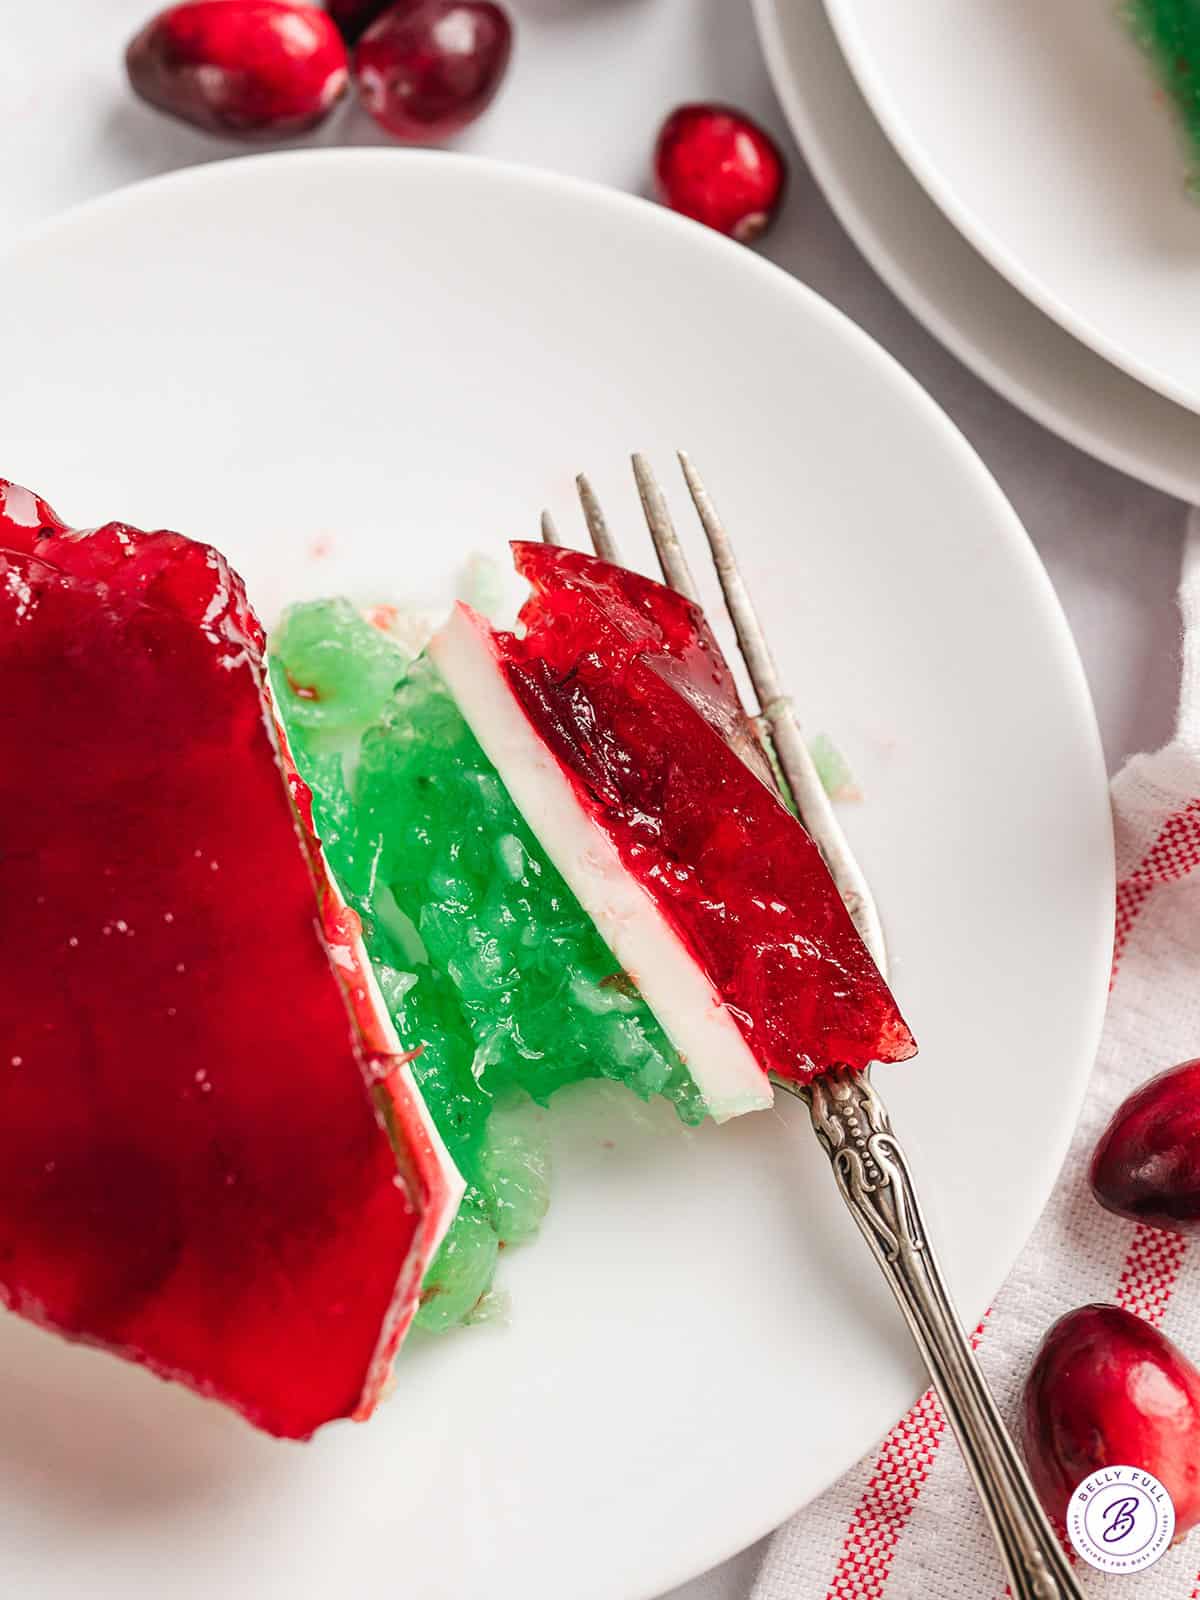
<point x="848" y="1116"/>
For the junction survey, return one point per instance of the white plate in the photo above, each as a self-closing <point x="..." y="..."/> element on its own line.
<point x="963" y="301"/>
<point x="350" y="369"/>
<point x="1042" y="133"/>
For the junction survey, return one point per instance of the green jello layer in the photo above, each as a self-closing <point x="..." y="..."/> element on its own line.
<point x="484" y="956"/>
<point x="1169" y="31"/>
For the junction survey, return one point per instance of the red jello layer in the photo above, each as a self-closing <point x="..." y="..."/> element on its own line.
<point x="195" y="1167"/>
<point x="647" y="620"/>
<point x="624" y="682"/>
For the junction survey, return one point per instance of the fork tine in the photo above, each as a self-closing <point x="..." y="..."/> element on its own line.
<point x="795" y="762"/>
<point x="603" y="542"/>
<point x="662" y="530"/>
<point x="549" y="531"/>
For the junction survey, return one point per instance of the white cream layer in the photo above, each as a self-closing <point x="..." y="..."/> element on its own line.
<point x="688" y="1008"/>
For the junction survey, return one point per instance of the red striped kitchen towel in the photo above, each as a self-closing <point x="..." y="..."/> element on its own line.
<point x="904" y="1523"/>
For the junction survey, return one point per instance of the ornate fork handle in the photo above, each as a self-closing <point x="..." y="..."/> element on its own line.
<point x="872" y="1173"/>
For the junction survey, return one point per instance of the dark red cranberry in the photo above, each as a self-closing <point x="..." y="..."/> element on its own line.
<point x="1147" y="1164"/>
<point x="255" y="68"/>
<point x="1105" y="1390"/>
<point x="717" y="166"/>
<point x="427" y="68"/>
<point x="353" y="17"/>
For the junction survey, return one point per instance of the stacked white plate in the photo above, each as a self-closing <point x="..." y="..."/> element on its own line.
<point x="1015" y="175"/>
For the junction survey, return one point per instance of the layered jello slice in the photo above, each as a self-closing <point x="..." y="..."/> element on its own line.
<point x="615" y="726"/>
<point x="570" y="863"/>
<point x="213" y="1158"/>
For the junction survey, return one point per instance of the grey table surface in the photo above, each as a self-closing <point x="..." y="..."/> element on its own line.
<point x="591" y="80"/>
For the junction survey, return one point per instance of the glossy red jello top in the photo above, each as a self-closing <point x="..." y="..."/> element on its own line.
<point x="194" y="1171"/>
<point x="626" y="684"/>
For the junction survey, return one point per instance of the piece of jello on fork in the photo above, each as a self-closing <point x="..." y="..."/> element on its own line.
<point x="615" y="725"/>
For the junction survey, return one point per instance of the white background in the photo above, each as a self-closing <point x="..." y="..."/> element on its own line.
<point x="591" y="80"/>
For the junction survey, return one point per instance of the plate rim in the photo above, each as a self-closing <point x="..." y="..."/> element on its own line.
<point x="962" y="216"/>
<point x="718" y="1547"/>
<point x="1019" y="389"/>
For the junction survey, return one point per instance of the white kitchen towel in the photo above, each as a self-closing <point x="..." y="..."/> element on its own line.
<point x="904" y="1524"/>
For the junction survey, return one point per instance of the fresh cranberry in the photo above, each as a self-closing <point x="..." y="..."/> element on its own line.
<point x="353" y="17"/>
<point x="427" y="68"/>
<point x="249" y="67"/>
<point x="1106" y="1389"/>
<point x="1147" y="1164"/>
<point x="717" y="166"/>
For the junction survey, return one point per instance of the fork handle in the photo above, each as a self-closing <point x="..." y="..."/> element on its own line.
<point x="873" y="1175"/>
